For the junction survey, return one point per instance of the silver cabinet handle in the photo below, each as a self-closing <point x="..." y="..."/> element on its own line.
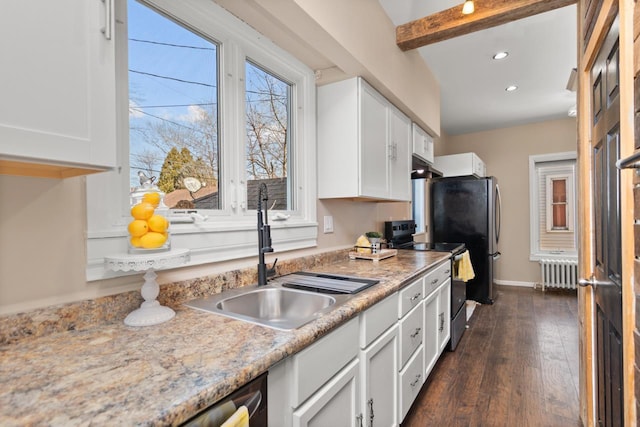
<point x="434" y="281"/>
<point x="441" y="322"/>
<point x="413" y="384"/>
<point x="371" y="416"/>
<point x="446" y="272"/>
<point x="415" y="334"/>
<point x="415" y="297"/>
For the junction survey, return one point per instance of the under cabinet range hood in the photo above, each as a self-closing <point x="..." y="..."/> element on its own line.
<point x="421" y="169"/>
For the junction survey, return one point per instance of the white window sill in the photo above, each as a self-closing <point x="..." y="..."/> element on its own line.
<point x="553" y="255"/>
<point x="208" y="242"/>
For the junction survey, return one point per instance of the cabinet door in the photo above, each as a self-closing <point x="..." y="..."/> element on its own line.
<point x="422" y="144"/>
<point x="373" y="143"/>
<point x="399" y="155"/>
<point x="444" y="315"/>
<point x="379" y="370"/>
<point x="431" y="336"/>
<point x="335" y="404"/>
<point x="58" y="83"/>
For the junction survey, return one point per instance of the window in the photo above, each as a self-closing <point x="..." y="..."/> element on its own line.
<point x="211" y="109"/>
<point x="173" y="108"/>
<point x="559" y="215"/>
<point x="552" y="203"/>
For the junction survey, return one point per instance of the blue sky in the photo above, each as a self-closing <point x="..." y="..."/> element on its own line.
<point x="172" y="73"/>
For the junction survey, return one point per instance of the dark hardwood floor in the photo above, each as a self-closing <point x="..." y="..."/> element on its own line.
<point x="516" y="365"/>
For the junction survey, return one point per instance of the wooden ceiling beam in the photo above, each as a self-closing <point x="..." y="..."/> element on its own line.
<point x="452" y="23"/>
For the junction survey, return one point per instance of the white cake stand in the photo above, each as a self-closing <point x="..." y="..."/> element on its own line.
<point x="150" y="311"/>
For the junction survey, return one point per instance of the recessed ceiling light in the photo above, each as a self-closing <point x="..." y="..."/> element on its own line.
<point x="511" y="88"/>
<point x="500" y="55"/>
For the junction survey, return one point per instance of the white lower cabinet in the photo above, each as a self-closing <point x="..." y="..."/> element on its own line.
<point x="368" y="371"/>
<point x="431" y="338"/>
<point x="335" y="404"/>
<point x="378" y="365"/>
<point x="411" y="327"/>
<point x="437" y="325"/>
<point x="319" y="384"/>
<point x="411" y="380"/>
<point x="444" y="315"/>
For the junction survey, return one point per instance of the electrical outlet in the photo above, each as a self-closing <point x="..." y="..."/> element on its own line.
<point x="328" y="224"/>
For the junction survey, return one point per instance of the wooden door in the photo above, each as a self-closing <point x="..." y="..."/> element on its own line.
<point x="607" y="274"/>
<point x="606" y="213"/>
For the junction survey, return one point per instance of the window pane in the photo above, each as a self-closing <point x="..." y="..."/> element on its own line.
<point x="560" y="217"/>
<point x="268" y="141"/>
<point x="173" y="109"/>
<point x="559" y="190"/>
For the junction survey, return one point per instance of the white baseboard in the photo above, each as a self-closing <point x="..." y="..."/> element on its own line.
<point x="514" y="283"/>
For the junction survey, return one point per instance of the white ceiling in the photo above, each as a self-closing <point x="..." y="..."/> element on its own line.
<point x="542" y="52"/>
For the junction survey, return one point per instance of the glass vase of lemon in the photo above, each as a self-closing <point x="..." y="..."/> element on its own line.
<point x="149" y="227"/>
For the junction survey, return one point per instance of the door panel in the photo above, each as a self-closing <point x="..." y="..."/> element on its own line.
<point x="607" y="240"/>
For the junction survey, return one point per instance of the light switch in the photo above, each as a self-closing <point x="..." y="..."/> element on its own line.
<point x="328" y="224"/>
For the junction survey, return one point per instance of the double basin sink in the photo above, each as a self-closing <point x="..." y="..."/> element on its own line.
<point x="287" y="302"/>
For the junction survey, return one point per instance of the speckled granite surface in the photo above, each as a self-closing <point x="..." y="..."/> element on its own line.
<point x="112" y="374"/>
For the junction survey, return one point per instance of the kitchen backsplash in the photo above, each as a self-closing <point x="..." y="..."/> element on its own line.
<point x="114" y="308"/>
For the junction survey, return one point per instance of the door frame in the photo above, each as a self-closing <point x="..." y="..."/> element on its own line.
<point x="586" y="297"/>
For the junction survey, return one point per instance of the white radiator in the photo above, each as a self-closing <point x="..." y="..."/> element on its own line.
<point x="559" y="273"/>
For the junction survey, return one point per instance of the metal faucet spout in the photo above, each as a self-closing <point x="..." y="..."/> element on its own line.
<point x="264" y="237"/>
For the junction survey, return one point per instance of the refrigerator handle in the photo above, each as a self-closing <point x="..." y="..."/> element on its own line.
<point x="498" y="213"/>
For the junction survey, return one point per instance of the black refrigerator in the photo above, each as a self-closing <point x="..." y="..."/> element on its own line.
<point x="467" y="210"/>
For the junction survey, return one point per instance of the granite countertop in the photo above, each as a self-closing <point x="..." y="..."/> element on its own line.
<point x="164" y="374"/>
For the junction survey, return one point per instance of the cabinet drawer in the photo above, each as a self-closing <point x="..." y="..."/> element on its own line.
<point x="411" y="380"/>
<point x="436" y="277"/>
<point x="316" y="364"/>
<point x="411" y="332"/>
<point x="410" y="296"/>
<point x="377" y="319"/>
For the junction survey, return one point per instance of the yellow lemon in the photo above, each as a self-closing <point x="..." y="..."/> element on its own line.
<point x="158" y="223"/>
<point x="138" y="227"/>
<point x="152" y="198"/>
<point x="152" y="240"/>
<point x="142" y="211"/>
<point x="135" y="242"/>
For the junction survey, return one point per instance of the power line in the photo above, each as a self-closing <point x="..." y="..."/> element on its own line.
<point x="171" y="78"/>
<point x="176" y="105"/>
<point x="172" y="45"/>
<point x="169" y="121"/>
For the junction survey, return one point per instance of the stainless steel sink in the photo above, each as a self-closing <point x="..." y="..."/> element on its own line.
<point x="271" y="305"/>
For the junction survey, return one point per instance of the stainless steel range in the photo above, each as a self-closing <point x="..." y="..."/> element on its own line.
<point x="399" y="235"/>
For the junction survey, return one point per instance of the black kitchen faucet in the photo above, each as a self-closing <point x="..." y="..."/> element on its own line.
<point x="264" y="238"/>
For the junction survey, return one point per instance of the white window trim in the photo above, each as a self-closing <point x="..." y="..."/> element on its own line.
<point x="230" y="233"/>
<point x="535" y="254"/>
<point x="570" y="204"/>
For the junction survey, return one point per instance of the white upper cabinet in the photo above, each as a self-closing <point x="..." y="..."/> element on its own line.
<point x="422" y="144"/>
<point x="57" y="109"/>
<point x="400" y="155"/>
<point x="363" y="144"/>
